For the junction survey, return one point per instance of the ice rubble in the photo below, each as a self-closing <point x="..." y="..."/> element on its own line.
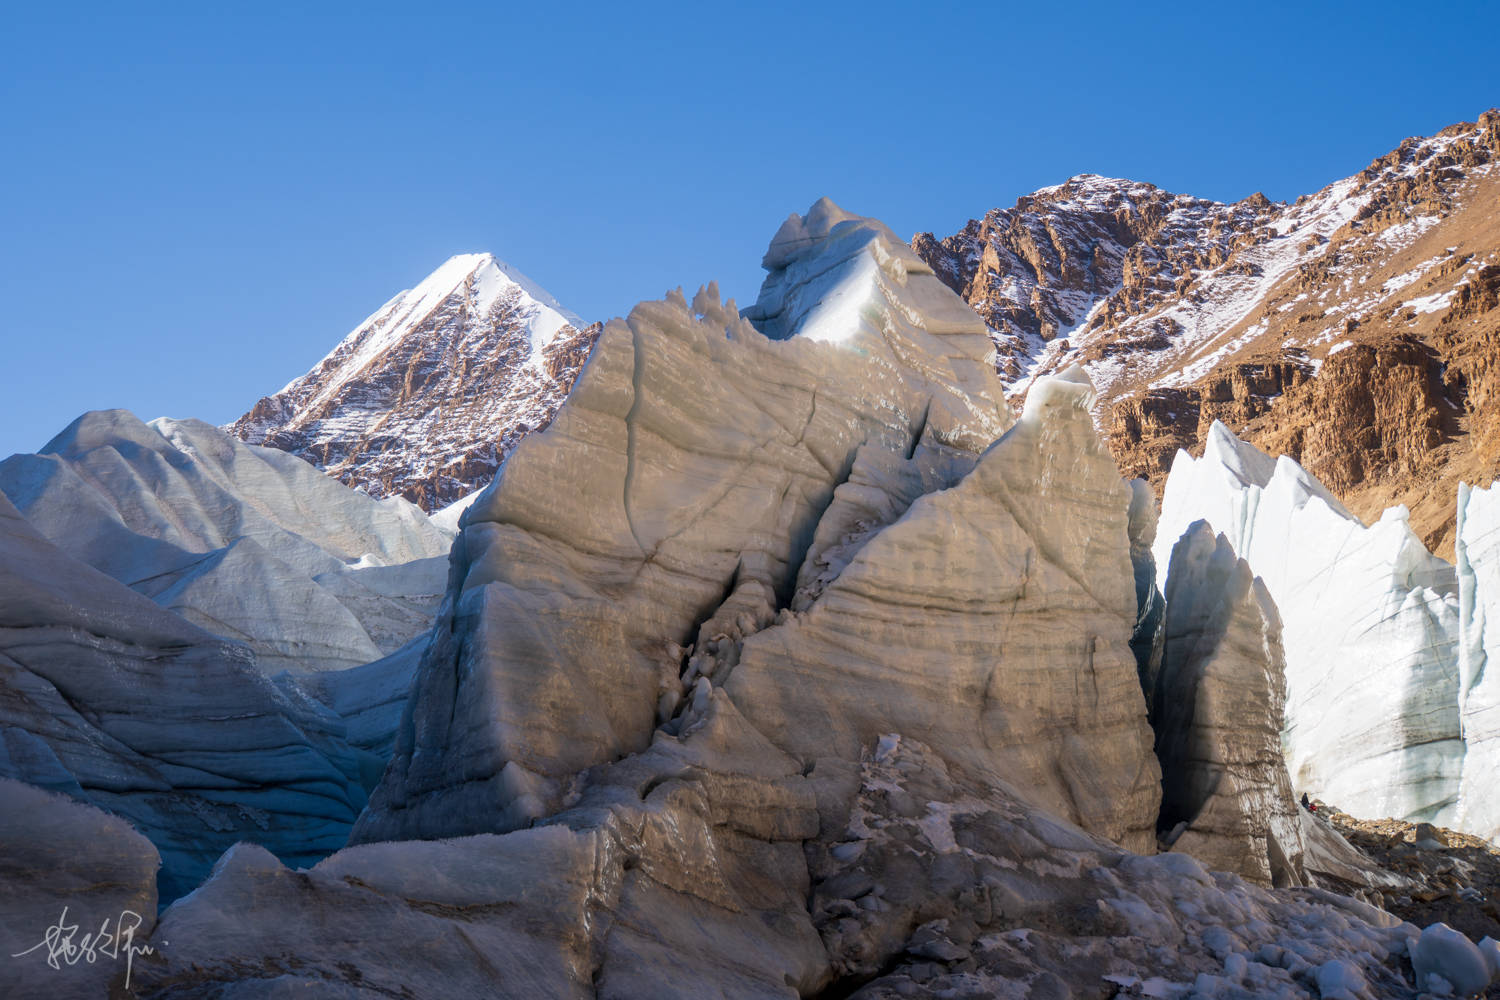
<point x="1370" y="625"/>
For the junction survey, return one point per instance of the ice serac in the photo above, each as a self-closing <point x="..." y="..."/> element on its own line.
<point x="1217" y="711"/>
<point x="1478" y="545"/>
<point x="427" y="397"/>
<point x="680" y="486"/>
<point x="1369" y="627"/>
<point x="992" y="621"/>
<point x="248" y="543"/>
<point x="121" y="704"/>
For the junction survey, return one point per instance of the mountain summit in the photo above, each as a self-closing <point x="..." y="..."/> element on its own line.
<point x="428" y="395"/>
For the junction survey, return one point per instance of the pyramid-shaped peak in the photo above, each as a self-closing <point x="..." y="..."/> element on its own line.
<point x="488" y="275"/>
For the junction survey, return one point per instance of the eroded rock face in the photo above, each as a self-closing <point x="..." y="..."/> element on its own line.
<point x="1370" y="622"/>
<point x="1479" y="659"/>
<point x="121" y="704"/>
<point x="1217" y="709"/>
<point x="427" y="397"/>
<point x="248" y="543"/>
<point x="686" y="474"/>
<point x="1089" y="253"/>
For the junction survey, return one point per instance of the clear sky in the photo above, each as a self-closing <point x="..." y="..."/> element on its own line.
<point x="198" y="203"/>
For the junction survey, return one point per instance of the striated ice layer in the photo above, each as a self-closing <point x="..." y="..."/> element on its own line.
<point x="676" y="497"/>
<point x="1478" y="545"/>
<point x="119" y="703"/>
<point x="1370" y="628"/>
<point x="994" y="618"/>
<point x="249" y="543"/>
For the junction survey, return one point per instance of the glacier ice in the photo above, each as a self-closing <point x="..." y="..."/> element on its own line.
<point x="1478" y="545"/>
<point x="946" y="625"/>
<point x="248" y="543"/>
<point x="685" y="726"/>
<point x="1217" y="708"/>
<point x="605" y="547"/>
<point x="122" y="704"/>
<point x="57" y="852"/>
<point x="1370" y="625"/>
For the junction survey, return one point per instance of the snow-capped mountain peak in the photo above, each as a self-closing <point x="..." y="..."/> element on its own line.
<point x="427" y="395"/>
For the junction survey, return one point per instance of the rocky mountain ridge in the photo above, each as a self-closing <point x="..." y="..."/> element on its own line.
<point x="1352" y="329"/>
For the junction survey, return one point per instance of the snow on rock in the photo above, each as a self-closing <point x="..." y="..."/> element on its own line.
<point x="124" y="705"/>
<point x="1217" y="709"/>
<point x="426" y="397"/>
<point x="1370" y="626"/>
<point x="1478" y="547"/>
<point x="686" y="475"/>
<point x="248" y="543"/>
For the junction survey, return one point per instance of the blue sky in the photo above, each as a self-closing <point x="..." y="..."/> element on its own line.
<point x="196" y="204"/>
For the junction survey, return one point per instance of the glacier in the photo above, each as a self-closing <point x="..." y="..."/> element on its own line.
<point x="1370" y="627"/>
<point x="785" y="662"/>
<point x="1478" y="548"/>
<point x="248" y="543"/>
<point x="117" y="702"/>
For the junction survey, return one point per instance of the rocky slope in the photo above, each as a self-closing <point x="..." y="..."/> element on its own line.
<point x="428" y="396"/>
<point x="1353" y="329"/>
